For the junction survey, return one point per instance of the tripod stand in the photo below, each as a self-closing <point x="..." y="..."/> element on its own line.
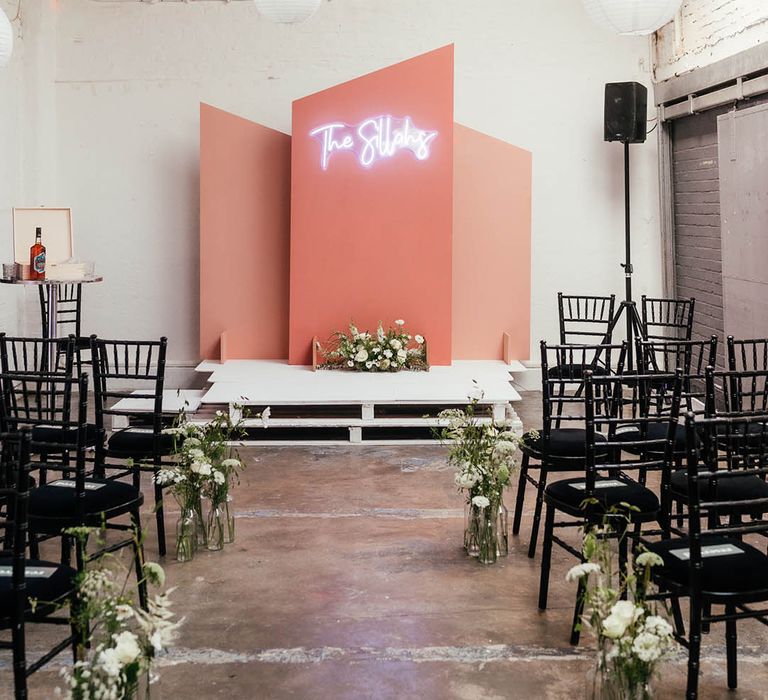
<point x="627" y="308"/>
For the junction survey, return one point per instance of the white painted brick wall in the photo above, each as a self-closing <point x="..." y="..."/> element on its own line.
<point x="113" y="118"/>
<point x="707" y="31"/>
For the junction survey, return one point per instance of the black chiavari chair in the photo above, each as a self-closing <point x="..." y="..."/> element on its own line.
<point x="68" y="316"/>
<point x="559" y="445"/>
<point x="141" y="364"/>
<point x="713" y="563"/>
<point x="667" y="319"/>
<point x="585" y="319"/>
<point x="605" y="482"/>
<point x="747" y="355"/>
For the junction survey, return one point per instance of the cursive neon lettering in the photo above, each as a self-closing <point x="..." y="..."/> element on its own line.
<point x="373" y="139"/>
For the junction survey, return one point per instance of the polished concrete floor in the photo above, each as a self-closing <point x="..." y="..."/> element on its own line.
<point x="347" y="581"/>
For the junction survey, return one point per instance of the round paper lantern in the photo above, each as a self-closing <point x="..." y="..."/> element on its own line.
<point x="633" y="17"/>
<point x="6" y="39"/>
<point x="287" y="11"/>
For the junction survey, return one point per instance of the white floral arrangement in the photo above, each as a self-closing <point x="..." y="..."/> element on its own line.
<point x="633" y="634"/>
<point x="123" y="640"/>
<point x="205" y="462"/>
<point x="483" y="451"/>
<point x="384" y="351"/>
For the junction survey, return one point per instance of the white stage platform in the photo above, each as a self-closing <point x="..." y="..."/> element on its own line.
<point x="358" y="402"/>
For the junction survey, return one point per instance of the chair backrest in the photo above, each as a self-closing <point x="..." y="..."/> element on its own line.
<point x="585" y="319"/>
<point x="631" y="443"/>
<point x="54" y="405"/>
<point x="129" y="369"/>
<point x="747" y="355"/>
<point x="667" y="319"/>
<point x="562" y="380"/>
<point x="722" y="448"/>
<point x="14" y="493"/>
<point x="33" y="355"/>
<point x="692" y="357"/>
<point x="737" y="392"/>
<point x="68" y="307"/>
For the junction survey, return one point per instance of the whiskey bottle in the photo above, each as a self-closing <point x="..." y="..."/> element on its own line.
<point x="37" y="257"/>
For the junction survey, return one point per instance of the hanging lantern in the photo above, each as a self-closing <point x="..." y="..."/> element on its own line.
<point x="632" y="17"/>
<point x="6" y="39"/>
<point x="287" y="11"/>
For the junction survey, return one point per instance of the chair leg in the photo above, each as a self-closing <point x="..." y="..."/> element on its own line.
<point x="730" y="646"/>
<point x="694" y="651"/>
<point x="159" y="515"/>
<point x="34" y="545"/>
<point x="578" y="611"/>
<point x="537" y="511"/>
<point x="138" y="557"/>
<point x="522" y="482"/>
<point x="677" y="616"/>
<point x="18" y="643"/>
<point x="546" y="557"/>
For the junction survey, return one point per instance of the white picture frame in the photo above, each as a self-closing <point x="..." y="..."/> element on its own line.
<point x="56" y="223"/>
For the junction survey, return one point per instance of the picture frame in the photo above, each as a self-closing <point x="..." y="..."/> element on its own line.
<point x="56" y="223"/>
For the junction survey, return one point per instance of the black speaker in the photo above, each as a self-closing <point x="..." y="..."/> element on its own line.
<point x="625" y="110"/>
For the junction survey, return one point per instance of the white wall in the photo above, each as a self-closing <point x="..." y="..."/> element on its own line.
<point x="127" y="77"/>
<point x="707" y="31"/>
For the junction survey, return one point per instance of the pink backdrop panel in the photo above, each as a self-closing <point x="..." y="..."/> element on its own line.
<point x="491" y="247"/>
<point x="374" y="243"/>
<point x="245" y="185"/>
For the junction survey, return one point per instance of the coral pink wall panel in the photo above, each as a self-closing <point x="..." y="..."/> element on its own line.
<point x="374" y="243"/>
<point x="491" y="247"/>
<point x="245" y="189"/>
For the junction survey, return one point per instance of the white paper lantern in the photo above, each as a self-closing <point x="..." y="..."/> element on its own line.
<point x="287" y="11"/>
<point x="6" y="39"/>
<point x="632" y="17"/>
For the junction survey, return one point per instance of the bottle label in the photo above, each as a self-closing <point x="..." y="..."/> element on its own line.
<point x="38" y="264"/>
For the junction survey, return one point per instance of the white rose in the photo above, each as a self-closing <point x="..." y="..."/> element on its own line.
<point x="614" y="627"/>
<point x="368" y="364"/>
<point x="205" y="469"/>
<point x="395" y="344"/>
<point x="466" y="480"/>
<point x="362" y="355"/>
<point x="647" y="647"/>
<point x="400" y="322"/>
<point x="109" y="662"/>
<point x="480" y="502"/>
<point x="127" y="648"/>
<point x="402" y="355"/>
<point x="218" y="477"/>
<point x="387" y="353"/>
<point x="419" y="339"/>
<point x="384" y="364"/>
<point x="580" y="570"/>
<point x="231" y="464"/>
<point x="350" y="364"/>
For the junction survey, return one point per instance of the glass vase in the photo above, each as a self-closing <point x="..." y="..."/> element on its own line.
<point x="502" y="531"/>
<point x="202" y="534"/>
<point x="215" y="528"/>
<point x="186" y="535"/>
<point x="609" y="684"/>
<point x="472" y="520"/>
<point x="229" y="521"/>
<point x="487" y="535"/>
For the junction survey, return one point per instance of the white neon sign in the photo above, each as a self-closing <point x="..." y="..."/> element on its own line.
<point x="373" y="139"/>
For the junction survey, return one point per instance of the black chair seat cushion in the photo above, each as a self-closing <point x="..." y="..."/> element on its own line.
<point x="575" y="371"/>
<point x="569" y="494"/>
<point x="655" y="431"/>
<point x="55" y="504"/>
<point x="563" y="443"/>
<point x="81" y="343"/>
<point x="56" y="434"/>
<point x="740" y="569"/>
<point x="138" y="443"/>
<point x="46" y="582"/>
<point x="735" y="488"/>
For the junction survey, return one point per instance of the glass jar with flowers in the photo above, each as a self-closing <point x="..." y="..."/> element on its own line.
<point x="632" y="632"/>
<point x="483" y="451"/>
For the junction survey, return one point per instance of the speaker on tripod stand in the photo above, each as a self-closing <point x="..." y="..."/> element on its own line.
<point x="625" y="121"/>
